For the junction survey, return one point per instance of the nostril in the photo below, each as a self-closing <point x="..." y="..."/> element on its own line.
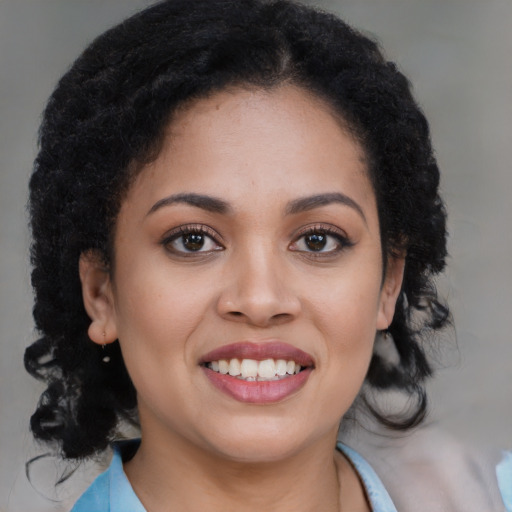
<point x="281" y="317"/>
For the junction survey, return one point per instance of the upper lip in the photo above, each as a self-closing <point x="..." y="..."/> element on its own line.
<point x="259" y="351"/>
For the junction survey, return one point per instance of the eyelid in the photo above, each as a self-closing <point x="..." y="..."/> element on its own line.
<point x="327" y="229"/>
<point x="184" y="229"/>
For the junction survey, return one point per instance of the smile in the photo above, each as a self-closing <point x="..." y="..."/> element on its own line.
<point x="252" y="370"/>
<point x="258" y="373"/>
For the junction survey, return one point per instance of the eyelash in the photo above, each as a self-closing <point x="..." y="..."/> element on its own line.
<point x="190" y="229"/>
<point x="342" y="241"/>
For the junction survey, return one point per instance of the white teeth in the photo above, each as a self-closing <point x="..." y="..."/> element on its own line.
<point x="281" y="367"/>
<point x="266" y="369"/>
<point x="249" y="368"/>
<point x="223" y="366"/>
<point x="253" y="370"/>
<point x="234" y="367"/>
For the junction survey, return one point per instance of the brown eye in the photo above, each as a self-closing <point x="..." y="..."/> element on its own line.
<point x="315" y="241"/>
<point x="320" y="241"/>
<point x="187" y="240"/>
<point x="193" y="241"/>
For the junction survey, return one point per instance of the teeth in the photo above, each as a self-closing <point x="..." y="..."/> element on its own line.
<point x="223" y="366"/>
<point x="252" y="370"/>
<point x="234" y="367"/>
<point x="281" y="367"/>
<point x="248" y="368"/>
<point x="266" y="369"/>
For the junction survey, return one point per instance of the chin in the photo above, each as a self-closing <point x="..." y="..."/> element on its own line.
<point x="251" y="452"/>
<point x="263" y="441"/>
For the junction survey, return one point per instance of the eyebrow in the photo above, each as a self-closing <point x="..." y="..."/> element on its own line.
<point x="208" y="203"/>
<point x="305" y="204"/>
<point x="216" y="205"/>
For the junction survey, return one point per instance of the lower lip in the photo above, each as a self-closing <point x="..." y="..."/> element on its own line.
<point x="262" y="392"/>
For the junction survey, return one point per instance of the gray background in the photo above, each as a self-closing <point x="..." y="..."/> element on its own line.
<point x="458" y="56"/>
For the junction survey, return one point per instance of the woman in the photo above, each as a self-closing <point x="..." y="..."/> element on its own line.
<point x="235" y="205"/>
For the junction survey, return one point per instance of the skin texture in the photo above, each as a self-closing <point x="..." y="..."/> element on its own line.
<point x="257" y="280"/>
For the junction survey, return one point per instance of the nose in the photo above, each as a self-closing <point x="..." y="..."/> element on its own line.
<point x="259" y="291"/>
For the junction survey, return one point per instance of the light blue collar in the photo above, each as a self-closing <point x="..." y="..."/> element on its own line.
<point x="379" y="498"/>
<point x="504" y="474"/>
<point x="112" y="492"/>
<point x="122" y="497"/>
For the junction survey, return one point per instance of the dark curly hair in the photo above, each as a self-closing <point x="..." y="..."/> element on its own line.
<point x="106" y="118"/>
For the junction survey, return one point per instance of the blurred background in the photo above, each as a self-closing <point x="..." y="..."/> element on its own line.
<point x="457" y="55"/>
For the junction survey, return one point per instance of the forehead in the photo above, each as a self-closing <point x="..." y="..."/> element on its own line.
<point x="259" y="143"/>
<point x="262" y="111"/>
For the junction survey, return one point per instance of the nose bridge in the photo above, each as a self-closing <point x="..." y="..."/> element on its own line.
<point x="258" y="273"/>
<point x="259" y="289"/>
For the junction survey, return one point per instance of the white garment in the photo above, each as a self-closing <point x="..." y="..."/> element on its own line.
<point x="429" y="471"/>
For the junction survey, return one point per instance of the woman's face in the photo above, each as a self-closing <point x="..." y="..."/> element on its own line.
<point x="251" y="244"/>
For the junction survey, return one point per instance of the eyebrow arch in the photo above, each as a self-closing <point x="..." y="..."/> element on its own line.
<point x="208" y="203"/>
<point x="305" y="204"/>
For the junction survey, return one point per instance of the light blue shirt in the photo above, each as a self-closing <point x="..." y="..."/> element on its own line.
<point x="504" y="474"/>
<point x="112" y="492"/>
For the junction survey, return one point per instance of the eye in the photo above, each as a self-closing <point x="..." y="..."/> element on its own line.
<point x="191" y="239"/>
<point x="320" y="240"/>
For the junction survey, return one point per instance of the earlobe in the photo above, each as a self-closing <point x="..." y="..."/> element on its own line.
<point x="390" y="291"/>
<point x="98" y="298"/>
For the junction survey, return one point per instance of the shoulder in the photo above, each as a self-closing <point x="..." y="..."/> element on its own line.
<point x="96" y="497"/>
<point x="111" y="491"/>
<point x="429" y="470"/>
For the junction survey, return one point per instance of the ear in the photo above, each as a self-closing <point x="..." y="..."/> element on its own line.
<point x="98" y="298"/>
<point x="390" y="291"/>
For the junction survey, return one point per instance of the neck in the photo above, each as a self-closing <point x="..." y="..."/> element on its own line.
<point x="180" y="476"/>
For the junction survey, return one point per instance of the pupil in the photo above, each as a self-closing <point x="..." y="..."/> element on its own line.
<point x="193" y="241"/>
<point x="316" y="241"/>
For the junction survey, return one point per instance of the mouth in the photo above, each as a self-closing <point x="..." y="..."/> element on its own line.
<point x="251" y="370"/>
<point x="258" y="372"/>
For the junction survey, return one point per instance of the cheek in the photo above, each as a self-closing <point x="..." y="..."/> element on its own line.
<point x="347" y="308"/>
<point x="347" y="318"/>
<point x="155" y="324"/>
<point x="156" y="309"/>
